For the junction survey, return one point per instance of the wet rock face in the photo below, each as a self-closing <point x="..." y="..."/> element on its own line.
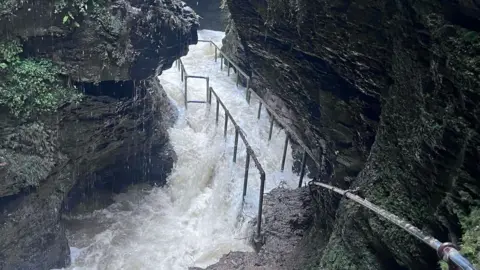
<point x="130" y="146"/>
<point x="118" y="40"/>
<point x="389" y="93"/>
<point x="102" y="144"/>
<point x="212" y="17"/>
<point x="114" y="137"/>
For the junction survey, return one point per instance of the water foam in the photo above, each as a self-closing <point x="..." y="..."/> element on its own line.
<point x="199" y="215"/>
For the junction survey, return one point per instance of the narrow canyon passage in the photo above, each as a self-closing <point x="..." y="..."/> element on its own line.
<point x="199" y="215"/>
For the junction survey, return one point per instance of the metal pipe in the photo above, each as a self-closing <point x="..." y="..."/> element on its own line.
<point x="186" y="89"/>
<point x="197" y="101"/>
<point x="284" y="152"/>
<point x="245" y="181"/>
<point x="228" y="66"/>
<point x="226" y="123"/>
<point x="221" y="61"/>
<point x="271" y="128"/>
<point x="260" y="205"/>
<point x="259" y="109"/>
<point x="302" y="171"/>
<point x="447" y="253"/>
<point x="235" y="146"/>
<point x="215" y="52"/>
<point x="218" y="109"/>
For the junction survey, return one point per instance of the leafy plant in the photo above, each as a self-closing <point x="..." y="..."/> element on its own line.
<point x="29" y="86"/>
<point x="75" y="8"/>
<point x="471" y="236"/>
<point x="9" y="51"/>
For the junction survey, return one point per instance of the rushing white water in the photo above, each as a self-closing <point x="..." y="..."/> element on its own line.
<point x="198" y="216"/>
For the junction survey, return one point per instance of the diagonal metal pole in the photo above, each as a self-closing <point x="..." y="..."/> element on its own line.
<point x="235" y="147"/>
<point x="284" y="152"/>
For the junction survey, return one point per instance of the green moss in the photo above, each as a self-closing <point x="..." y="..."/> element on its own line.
<point x="471" y="237"/>
<point x="30" y="86"/>
<point x="443" y="265"/>
<point x="471" y="36"/>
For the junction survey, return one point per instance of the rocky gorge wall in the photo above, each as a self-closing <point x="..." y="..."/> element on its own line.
<point x="387" y="92"/>
<point x="107" y="129"/>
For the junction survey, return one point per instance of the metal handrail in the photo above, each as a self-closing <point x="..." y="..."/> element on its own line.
<point x="446" y="251"/>
<point x="273" y="114"/>
<point x="238" y="133"/>
<point x="218" y="50"/>
<point x="185" y="77"/>
<point x="250" y="153"/>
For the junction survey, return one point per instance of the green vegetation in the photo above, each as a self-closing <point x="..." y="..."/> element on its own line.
<point x="471" y="36"/>
<point x="72" y="9"/>
<point x="471" y="237"/>
<point x="30" y="86"/>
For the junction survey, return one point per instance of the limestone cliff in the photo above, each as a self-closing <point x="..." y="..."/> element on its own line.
<point x="388" y="93"/>
<point x="54" y="149"/>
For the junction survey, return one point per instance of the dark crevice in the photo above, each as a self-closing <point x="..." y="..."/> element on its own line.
<point x="8" y="204"/>
<point x="120" y="89"/>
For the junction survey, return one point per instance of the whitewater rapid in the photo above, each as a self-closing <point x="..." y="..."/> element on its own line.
<point x="198" y="216"/>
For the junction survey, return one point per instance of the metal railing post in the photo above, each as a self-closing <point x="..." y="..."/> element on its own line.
<point x="228" y="67"/>
<point x="247" y="97"/>
<point x="218" y="108"/>
<point x="259" y="109"/>
<point x="186" y="92"/>
<point x="284" y="152"/>
<point x="271" y="129"/>
<point x="209" y="97"/>
<point x="245" y="181"/>
<point x="260" y="206"/>
<point x="215" y="52"/>
<point x="302" y="171"/>
<point x="207" y="80"/>
<point x="226" y="123"/>
<point x="181" y="73"/>
<point x="235" y="146"/>
<point x="221" y="61"/>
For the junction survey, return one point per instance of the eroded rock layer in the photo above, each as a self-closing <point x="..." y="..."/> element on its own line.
<point x="388" y="93"/>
